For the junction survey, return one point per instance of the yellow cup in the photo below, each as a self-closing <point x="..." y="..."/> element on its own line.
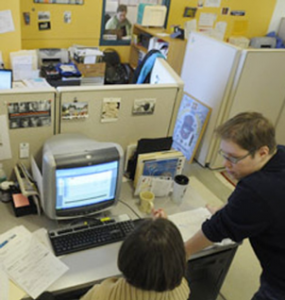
<point x="146" y="201"/>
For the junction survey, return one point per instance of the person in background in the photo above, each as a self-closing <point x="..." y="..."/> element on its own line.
<point x="120" y="21"/>
<point x="256" y="208"/>
<point x="152" y="261"/>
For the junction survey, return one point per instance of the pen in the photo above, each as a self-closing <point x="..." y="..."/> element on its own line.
<point x="6" y="242"/>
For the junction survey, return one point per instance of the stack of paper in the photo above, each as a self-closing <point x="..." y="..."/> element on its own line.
<point x="27" y="262"/>
<point x="190" y="222"/>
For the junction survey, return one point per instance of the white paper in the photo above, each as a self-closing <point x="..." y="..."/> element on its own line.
<point x="24" y="64"/>
<point x="4" y="285"/>
<point x="5" y="147"/>
<point x="6" y="21"/>
<point x="189" y="26"/>
<point x="161" y="187"/>
<point x="189" y="222"/>
<point x="28" y="262"/>
<point x="212" y="3"/>
<point x="36" y="82"/>
<point x="207" y="19"/>
<point x="220" y="30"/>
<point x="111" y="6"/>
<point x="90" y="59"/>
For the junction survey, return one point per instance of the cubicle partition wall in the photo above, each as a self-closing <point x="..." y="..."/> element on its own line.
<point x="162" y="73"/>
<point x="26" y="121"/>
<point x="116" y="113"/>
<point x="122" y="113"/>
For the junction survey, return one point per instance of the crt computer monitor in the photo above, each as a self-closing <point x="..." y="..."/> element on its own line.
<point x="6" y="79"/>
<point x="80" y="176"/>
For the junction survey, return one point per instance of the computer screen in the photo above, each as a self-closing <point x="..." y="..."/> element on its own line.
<point x="85" y="186"/>
<point x="80" y="176"/>
<point x="5" y="79"/>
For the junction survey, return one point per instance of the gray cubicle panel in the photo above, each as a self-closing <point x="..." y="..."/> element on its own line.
<point x="126" y="122"/>
<point x="162" y="73"/>
<point x="280" y="125"/>
<point x="29" y="116"/>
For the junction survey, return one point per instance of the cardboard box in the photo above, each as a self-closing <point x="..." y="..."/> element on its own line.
<point x="92" y="70"/>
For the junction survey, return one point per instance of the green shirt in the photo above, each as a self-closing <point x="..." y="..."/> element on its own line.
<point x="114" y="23"/>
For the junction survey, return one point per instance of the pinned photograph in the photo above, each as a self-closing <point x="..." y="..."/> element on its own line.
<point x="144" y="106"/>
<point x="43" y="15"/>
<point x="110" y="109"/>
<point x="225" y="10"/>
<point x="67" y="17"/>
<point x="74" y="110"/>
<point x="190" y="12"/>
<point x="44" y="25"/>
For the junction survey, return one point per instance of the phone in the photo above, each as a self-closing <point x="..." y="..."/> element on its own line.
<point x="27" y="184"/>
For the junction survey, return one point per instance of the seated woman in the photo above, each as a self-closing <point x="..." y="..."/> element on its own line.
<point x="152" y="261"/>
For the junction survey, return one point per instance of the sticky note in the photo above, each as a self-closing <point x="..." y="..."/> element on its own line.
<point x="20" y="200"/>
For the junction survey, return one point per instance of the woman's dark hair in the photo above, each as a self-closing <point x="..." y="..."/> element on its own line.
<point x="153" y="256"/>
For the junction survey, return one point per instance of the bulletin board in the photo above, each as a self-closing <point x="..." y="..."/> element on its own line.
<point x="60" y="1"/>
<point x="191" y="121"/>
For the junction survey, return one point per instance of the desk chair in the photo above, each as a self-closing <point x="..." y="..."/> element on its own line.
<point x="143" y="71"/>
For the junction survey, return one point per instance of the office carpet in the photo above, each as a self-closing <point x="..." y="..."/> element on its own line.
<point x="231" y="180"/>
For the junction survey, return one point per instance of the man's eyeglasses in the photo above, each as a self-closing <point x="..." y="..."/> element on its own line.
<point x="232" y="159"/>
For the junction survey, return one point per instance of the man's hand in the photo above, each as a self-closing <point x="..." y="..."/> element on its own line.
<point x="212" y="209"/>
<point x="159" y="213"/>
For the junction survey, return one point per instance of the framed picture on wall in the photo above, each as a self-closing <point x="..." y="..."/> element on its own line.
<point x="118" y="17"/>
<point x="79" y="2"/>
<point x="190" y="125"/>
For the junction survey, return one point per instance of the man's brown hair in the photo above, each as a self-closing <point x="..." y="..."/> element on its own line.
<point x="249" y="130"/>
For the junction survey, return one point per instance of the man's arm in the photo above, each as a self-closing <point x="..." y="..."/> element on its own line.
<point x="196" y="243"/>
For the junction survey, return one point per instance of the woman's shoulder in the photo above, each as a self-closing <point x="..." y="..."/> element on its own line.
<point x="119" y="289"/>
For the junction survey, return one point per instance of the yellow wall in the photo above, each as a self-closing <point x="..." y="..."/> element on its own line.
<point x="10" y="41"/>
<point x="85" y="26"/>
<point x="257" y="17"/>
<point x="84" y="29"/>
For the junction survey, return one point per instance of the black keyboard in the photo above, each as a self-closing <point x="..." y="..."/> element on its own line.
<point x="78" y="238"/>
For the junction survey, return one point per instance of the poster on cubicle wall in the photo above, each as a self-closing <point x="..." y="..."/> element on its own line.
<point x="29" y="114"/>
<point x="74" y="111"/>
<point x="191" y="122"/>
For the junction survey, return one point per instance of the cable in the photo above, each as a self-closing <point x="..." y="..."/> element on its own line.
<point x="120" y="200"/>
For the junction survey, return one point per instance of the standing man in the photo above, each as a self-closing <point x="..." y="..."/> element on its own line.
<point x="120" y="21"/>
<point x="256" y="208"/>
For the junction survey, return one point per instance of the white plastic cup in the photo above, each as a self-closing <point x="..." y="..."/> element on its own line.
<point x="180" y="184"/>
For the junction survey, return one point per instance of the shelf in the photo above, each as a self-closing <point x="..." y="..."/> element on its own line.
<point x="176" y="47"/>
<point x="141" y="48"/>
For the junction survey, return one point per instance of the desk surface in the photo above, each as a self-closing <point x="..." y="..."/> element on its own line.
<point x="89" y="266"/>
